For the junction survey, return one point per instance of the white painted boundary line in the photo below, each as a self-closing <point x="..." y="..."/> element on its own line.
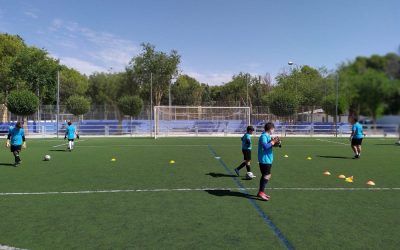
<point x="64" y="144"/>
<point x="4" y="247"/>
<point x="336" y="142"/>
<point x="199" y="189"/>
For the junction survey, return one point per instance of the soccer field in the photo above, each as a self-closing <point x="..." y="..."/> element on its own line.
<point x="83" y="200"/>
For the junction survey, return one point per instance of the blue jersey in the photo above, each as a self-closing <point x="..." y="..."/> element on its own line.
<point x="357" y="131"/>
<point x="246" y="141"/>
<point x="16" y="136"/>
<point x="265" y="156"/>
<point x="70" y="132"/>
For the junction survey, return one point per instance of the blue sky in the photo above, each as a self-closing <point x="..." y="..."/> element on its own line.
<point x="216" y="38"/>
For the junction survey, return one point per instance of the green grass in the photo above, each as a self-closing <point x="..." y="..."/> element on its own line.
<point x="324" y="219"/>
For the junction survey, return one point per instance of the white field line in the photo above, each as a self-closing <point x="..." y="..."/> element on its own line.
<point x="4" y="247"/>
<point x="64" y="144"/>
<point x="336" y="142"/>
<point x="186" y="145"/>
<point x="199" y="189"/>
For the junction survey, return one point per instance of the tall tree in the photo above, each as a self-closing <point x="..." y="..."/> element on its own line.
<point x="162" y="66"/>
<point x="72" y="83"/>
<point x="187" y="91"/>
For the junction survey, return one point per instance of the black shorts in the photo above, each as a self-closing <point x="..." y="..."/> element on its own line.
<point x="265" y="168"/>
<point x="246" y="154"/>
<point x="356" y="142"/>
<point x="70" y="139"/>
<point x="15" y="148"/>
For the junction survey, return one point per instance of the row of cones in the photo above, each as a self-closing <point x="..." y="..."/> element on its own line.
<point x="350" y="179"/>
<point x="308" y="158"/>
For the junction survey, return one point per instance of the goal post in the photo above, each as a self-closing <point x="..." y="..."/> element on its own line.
<point x="179" y="121"/>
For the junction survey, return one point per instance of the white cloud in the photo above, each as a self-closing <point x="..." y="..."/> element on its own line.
<point x="31" y="14"/>
<point x="99" y="49"/>
<point x="82" y="66"/>
<point x="210" y="78"/>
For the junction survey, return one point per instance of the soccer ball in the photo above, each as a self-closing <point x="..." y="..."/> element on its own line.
<point x="250" y="175"/>
<point x="47" y="157"/>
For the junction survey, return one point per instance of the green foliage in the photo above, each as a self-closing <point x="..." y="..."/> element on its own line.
<point x="187" y="91"/>
<point x="72" y="83"/>
<point x="130" y="105"/>
<point x="281" y="103"/>
<point x="162" y="66"/>
<point x="22" y="102"/>
<point x="105" y="88"/>
<point x="78" y="105"/>
<point x="329" y="105"/>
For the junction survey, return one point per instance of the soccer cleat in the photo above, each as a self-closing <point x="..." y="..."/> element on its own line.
<point x="250" y="175"/>
<point x="356" y="157"/>
<point x="237" y="172"/>
<point x="263" y="196"/>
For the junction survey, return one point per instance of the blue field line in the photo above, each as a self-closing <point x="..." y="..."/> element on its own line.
<point x="263" y="215"/>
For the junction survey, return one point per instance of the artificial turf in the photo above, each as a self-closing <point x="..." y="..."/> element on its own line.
<point x="198" y="219"/>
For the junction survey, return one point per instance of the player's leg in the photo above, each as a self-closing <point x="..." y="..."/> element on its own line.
<point x="16" y="151"/>
<point x="72" y="144"/>
<point x="242" y="165"/>
<point x="354" y="148"/>
<point x="265" y="177"/>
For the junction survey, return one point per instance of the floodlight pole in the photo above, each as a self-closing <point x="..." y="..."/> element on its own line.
<point x="58" y="101"/>
<point x="337" y="104"/>
<point x="291" y="64"/>
<point x="151" y="104"/>
<point x="247" y="91"/>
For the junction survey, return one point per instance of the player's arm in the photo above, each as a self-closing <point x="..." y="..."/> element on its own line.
<point x="77" y="134"/>
<point x="268" y="145"/>
<point x="8" y="140"/>
<point x="23" y="141"/>
<point x="66" y="133"/>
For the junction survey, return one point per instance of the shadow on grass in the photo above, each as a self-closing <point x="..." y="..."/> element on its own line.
<point x="7" y="164"/>
<point x="222" y="193"/>
<point x="334" y="157"/>
<point x="217" y="175"/>
<point x="58" y="150"/>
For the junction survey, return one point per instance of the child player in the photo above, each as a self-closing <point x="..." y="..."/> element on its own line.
<point x="266" y="157"/>
<point x="16" y="140"/>
<point x="70" y="133"/>
<point x="356" y="136"/>
<point x="246" y="150"/>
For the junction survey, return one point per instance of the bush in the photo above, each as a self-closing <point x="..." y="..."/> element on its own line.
<point x="281" y="104"/>
<point x="130" y="105"/>
<point x="22" y="102"/>
<point x="78" y="105"/>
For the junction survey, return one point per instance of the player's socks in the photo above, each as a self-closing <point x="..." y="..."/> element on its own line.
<point x="263" y="184"/>
<point x="248" y="168"/>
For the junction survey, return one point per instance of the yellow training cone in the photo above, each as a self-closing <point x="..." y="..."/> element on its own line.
<point x="371" y="183"/>
<point x="327" y="173"/>
<point x="342" y="176"/>
<point x="309" y="158"/>
<point x="286" y="156"/>
<point x="349" y="179"/>
<point x="171" y="162"/>
<point x="113" y="159"/>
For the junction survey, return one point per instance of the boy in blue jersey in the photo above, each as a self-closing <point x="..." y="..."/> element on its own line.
<point x="70" y="133"/>
<point x="246" y="150"/>
<point x="16" y="141"/>
<point x="356" y="136"/>
<point x="266" y="157"/>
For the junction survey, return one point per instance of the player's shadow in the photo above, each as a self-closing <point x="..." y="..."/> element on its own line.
<point x="7" y="164"/>
<point x="58" y="150"/>
<point x="222" y="193"/>
<point x="218" y="175"/>
<point x="334" y="157"/>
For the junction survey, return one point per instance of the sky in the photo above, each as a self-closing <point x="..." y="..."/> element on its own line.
<point x="215" y="38"/>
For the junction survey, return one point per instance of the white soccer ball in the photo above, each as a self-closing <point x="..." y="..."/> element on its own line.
<point x="47" y="157"/>
<point x="250" y="175"/>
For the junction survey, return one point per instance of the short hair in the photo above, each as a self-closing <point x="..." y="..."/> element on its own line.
<point x="18" y="125"/>
<point x="250" y="128"/>
<point x="354" y="116"/>
<point x="268" y="126"/>
<point x="69" y="123"/>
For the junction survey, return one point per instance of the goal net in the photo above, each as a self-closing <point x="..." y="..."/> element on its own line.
<point x="200" y="121"/>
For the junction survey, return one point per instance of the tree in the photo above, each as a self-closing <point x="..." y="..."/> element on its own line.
<point x="78" y="105"/>
<point x="72" y="83"/>
<point x="187" y="91"/>
<point x="32" y="68"/>
<point x="281" y="103"/>
<point x="130" y="105"/>
<point x="163" y="67"/>
<point x="329" y="105"/>
<point x="22" y="103"/>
